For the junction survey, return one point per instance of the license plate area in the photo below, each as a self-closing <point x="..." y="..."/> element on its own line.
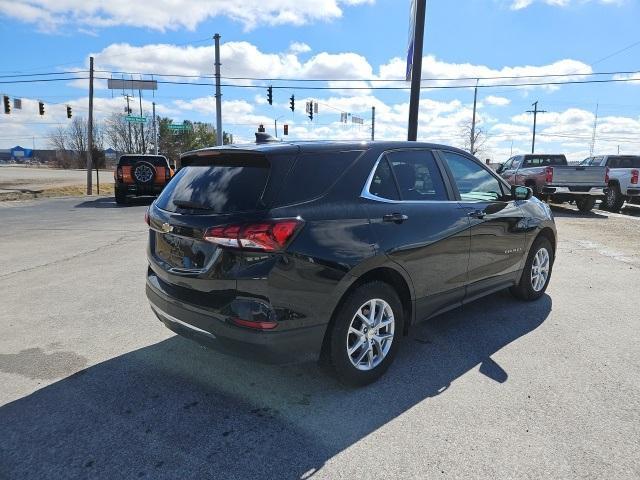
<point x="182" y="253"/>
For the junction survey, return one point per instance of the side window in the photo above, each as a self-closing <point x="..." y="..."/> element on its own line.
<point x="586" y="161"/>
<point x="474" y="183"/>
<point x="383" y="185"/>
<point x="417" y="175"/>
<point x="508" y="164"/>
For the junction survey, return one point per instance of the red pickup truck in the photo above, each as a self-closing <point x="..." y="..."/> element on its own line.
<point x="552" y="179"/>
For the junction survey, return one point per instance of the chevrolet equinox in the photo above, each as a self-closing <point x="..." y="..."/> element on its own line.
<point x="331" y="251"/>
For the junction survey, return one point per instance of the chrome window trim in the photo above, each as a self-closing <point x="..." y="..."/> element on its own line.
<point x="370" y="196"/>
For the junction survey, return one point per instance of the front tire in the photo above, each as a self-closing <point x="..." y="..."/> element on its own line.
<point x="366" y="334"/>
<point x="537" y="271"/>
<point x="586" y="204"/>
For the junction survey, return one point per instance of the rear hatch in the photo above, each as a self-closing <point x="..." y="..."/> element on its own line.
<point x="213" y="188"/>
<point x="579" y="176"/>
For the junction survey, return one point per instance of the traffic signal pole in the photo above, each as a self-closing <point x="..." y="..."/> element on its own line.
<point x="416" y="69"/>
<point x="90" y="129"/>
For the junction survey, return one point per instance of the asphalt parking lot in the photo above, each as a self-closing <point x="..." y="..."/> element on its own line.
<point x="93" y="386"/>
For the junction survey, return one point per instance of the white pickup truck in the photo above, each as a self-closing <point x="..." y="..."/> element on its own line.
<point x="624" y="183"/>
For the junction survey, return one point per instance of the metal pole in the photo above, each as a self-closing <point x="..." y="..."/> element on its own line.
<point x="416" y="70"/>
<point x="535" y="112"/>
<point x="216" y="38"/>
<point x="155" y="129"/>
<point x="275" y="126"/>
<point x="144" y="148"/>
<point x="373" y="123"/>
<point x="90" y="130"/>
<point x="472" y="141"/>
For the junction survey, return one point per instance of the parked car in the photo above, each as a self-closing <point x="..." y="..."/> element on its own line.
<point x="623" y="182"/>
<point x="550" y="177"/>
<point x="332" y="251"/>
<point x="141" y="175"/>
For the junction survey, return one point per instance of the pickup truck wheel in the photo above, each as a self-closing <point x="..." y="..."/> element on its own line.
<point x="366" y="333"/>
<point x="537" y="271"/>
<point x="585" y="204"/>
<point x="121" y="196"/>
<point x="613" y="200"/>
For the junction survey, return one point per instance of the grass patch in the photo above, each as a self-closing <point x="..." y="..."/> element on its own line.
<point x="67" y="191"/>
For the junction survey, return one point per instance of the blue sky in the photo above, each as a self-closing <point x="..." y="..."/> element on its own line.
<point x="356" y="39"/>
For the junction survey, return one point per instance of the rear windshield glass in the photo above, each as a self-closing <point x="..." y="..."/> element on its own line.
<point x="133" y="159"/>
<point x="544" y="160"/>
<point x="220" y="185"/>
<point x="624" y="162"/>
<point x="313" y="174"/>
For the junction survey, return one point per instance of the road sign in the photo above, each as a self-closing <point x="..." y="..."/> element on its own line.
<point x="119" y="84"/>
<point x="135" y="119"/>
<point x="179" y="127"/>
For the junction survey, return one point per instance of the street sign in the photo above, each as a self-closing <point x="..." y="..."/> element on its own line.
<point x="179" y="127"/>
<point x="120" y="84"/>
<point x="135" y="119"/>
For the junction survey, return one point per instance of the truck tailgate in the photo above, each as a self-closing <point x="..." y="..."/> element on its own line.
<point x="579" y="176"/>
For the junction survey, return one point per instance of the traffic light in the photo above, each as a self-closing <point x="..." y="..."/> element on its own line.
<point x="41" y="108"/>
<point x="270" y="95"/>
<point x="292" y="103"/>
<point x="7" y="104"/>
<point x="286" y="129"/>
<point x="68" y="111"/>
<point x="310" y="108"/>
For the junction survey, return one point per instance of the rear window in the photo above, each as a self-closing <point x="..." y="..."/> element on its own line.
<point x="624" y="162"/>
<point x="313" y="174"/>
<point x="544" y="160"/>
<point x="224" y="184"/>
<point x="130" y="160"/>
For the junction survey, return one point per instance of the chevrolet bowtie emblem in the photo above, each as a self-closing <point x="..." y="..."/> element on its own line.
<point x="166" y="228"/>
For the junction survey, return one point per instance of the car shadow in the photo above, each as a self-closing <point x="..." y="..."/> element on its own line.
<point x="110" y="202"/>
<point x="177" y="410"/>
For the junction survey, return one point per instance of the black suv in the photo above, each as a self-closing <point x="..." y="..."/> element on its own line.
<point x="332" y="251"/>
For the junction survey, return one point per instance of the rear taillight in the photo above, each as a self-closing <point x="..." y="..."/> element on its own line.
<point x="634" y="176"/>
<point x="267" y="236"/>
<point x="606" y="175"/>
<point x="146" y="217"/>
<point x="256" y="325"/>
<point x="548" y="175"/>
<point x="119" y="174"/>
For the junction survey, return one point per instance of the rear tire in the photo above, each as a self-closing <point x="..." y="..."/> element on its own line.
<point x="613" y="200"/>
<point x="121" y="197"/>
<point x="362" y="347"/>
<point x="585" y="204"/>
<point x="531" y="287"/>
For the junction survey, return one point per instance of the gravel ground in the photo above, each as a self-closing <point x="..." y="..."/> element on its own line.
<point x="93" y="386"/>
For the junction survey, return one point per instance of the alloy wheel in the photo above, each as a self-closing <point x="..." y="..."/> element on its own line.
<point x="370" y="334"/>
<point x="540" y="269"/>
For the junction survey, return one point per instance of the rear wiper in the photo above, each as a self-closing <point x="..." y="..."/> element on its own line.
<point x="190" y="205"/>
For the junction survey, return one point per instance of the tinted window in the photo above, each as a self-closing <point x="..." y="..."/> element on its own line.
<point x="157" y="161"/>
<point x="382" y="184"/>
<point x="544" y="160"/>
<point x="624" y="162"/>
<point x="313" y="174"/>
<point x="417" y="175"/>
<point x="221" y="185"/>
<point x="474" y="182"/>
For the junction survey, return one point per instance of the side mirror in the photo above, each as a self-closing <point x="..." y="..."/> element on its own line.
<point x="521" y="193"/>
<point x="500" y="168"/>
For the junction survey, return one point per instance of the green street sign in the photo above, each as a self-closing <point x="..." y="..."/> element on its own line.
<point x="179" y="127"/>
<point x="135" y="119"/>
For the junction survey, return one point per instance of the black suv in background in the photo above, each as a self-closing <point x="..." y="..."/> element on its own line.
<point x="332" y="251"/>
<point x="141" y="175"/>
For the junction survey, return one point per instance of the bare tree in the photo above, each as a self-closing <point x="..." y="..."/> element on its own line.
<point x="125" y="137"/>
<point x="71" y="143"/>
<point x="479" y="138"/>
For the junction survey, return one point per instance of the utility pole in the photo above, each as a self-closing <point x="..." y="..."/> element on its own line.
<point x="127" y="96"/>
<point x="90" y="129"/>
<point x="144" y="147"/>
<point x="275" y="126"/>
<point x="535" y="112"/>
<point x="472" y="140"/>
<point x="216" y="38"/>
<point x="155" y="130"/>
<point x="416" y="68"/>
<point x="373" y="123"/>
<point x="593" y="135"/>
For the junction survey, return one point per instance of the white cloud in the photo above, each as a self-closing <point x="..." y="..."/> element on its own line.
<point x="497" y="101"/>
<point x="521" y="4"/>
<point x="299" y="47"/>
<point x="172" y="14"/>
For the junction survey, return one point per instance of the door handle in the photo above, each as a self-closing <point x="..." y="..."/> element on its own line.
<point x="394" y="217"/>
<point x="478" y="214"/>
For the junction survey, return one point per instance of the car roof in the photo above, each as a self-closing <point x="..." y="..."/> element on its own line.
<point x="318" y="146"/>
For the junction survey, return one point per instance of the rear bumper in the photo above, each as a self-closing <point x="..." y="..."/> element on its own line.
<point x="578" y="191"/>
<point x="213" y="329"/>
<point x="633" y="192"/>
<point x="139" y="189"/>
